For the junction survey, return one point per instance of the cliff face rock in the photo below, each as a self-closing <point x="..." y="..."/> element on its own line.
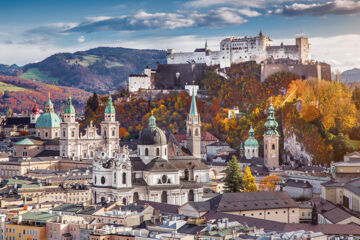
<point x="296" y="150"/>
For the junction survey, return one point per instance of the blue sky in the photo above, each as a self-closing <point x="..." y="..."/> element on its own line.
<point x="31" y="30"/>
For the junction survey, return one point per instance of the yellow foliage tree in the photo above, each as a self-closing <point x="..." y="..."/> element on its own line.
<point x="249" y="181"/>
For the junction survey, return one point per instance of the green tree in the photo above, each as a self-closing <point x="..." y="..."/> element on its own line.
<point x="341" y="146"/>
<point x="249" y="181"/>
<point x="233" y="179"/>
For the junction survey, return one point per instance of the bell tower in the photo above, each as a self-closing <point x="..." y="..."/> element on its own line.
<point x="271" y="141"/>
<point x="110" y="129"/>
<point x="193" y="128"/>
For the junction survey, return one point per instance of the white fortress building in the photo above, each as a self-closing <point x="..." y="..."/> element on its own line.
<point x="237" y="50"/>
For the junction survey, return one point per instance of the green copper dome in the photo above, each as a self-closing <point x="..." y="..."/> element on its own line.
<point x="251" y="141"/>
<point x="48" y="103"/>
<point x="69" y="109"/>
<point x="48" y="119"/>
<point x="110" y="107"/>
<point x="25" y="141"/>
<point x="271" y="124"/>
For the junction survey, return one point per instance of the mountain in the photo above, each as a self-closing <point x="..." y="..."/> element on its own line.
<point x="19" y="95"/>
<point x="350" y="77"/>
<point x="99" y="69"/>
<point x="9" y="70"/>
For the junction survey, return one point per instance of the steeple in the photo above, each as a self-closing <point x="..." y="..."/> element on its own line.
<point x="193" y="114"/>
<point x="271" y="124"/>
<point x="49" y="107"/>
<point x="69" y="109"/>
<point x="251" y="145"/>
<point x="110" y="107"/>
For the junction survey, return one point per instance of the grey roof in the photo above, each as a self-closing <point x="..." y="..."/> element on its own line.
<point x="48" y="153"/>
<point x="243" y="201"/>
<point x="297" y="183"/>
<point x="160" y="164"/>
<point x="162" y="207"/>
<point x="152" y="136"/>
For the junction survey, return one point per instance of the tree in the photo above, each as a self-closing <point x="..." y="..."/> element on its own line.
<point x="341" y="146"/>
<point x="233" y="180"/>
<point x="269" y="183"/>
<point x="249" y="181"/>
<point x="123" y="133"/>
<point x="356" y="97"/>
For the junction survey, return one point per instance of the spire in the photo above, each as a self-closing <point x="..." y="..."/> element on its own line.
<point x="49" y="107"/>
<point x="251" y="141"/>
<point x="152" y="120"/>
<point x="69" y="109"/>
<point x="193" y="107"/>
<point x="271" y="124"/>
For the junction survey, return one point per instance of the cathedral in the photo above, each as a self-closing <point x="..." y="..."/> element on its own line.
<point x="76" y="145"/>
<point x="161" y="171"/>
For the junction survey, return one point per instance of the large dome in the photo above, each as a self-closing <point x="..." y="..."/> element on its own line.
<point x="48" y="119"/>
<point x="152" y="135"/>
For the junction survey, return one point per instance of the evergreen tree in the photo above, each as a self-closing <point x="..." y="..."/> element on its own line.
<point x="249" y="181"/>
<point x="233" y="180"/>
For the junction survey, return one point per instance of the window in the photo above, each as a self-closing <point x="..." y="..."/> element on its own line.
<point x="64" y="133"/>
<point x="165" y="151"/>
<point x="157" y="152"/>
<point x="102" y="180"/>
<point x="113" y="133"/>
<point x="72" y="134"/>
<point x="124" y="178"/>
<point x="46" y="134"/>
<point x="196" y="132"/>
<point x="146" y="152"/>
<point x="114" y="177"/>
<point x="273" y="147"/>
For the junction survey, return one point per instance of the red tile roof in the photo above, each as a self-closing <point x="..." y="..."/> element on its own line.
<point x="205" y="136"/>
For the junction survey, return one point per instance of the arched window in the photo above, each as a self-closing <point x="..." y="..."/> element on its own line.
<point x="64" y="133"/>
<point x="113" y="133"/>
<point x="190" y="132"/>
<point x="196" y="132"/>
<point x="191" y="196"/>
<point x="146" y="152"/>
<point x="72" y="134"/>
<point x="164" y="197"/>
<point x="46" y="134"/>
<point x="186" y="173"/>
<point x="124" y="201"/>
<point x="95" y="180"/>
<point x="104" y="133"/>
<point x="124" y="178"/>
<point x="114" y="177"/>
<point x="136" y="197"/>
<point x="102" y="180"/>
<point x="273" y="147"/>
<point x="165" y="151"/>
<point x="157" y="152"/>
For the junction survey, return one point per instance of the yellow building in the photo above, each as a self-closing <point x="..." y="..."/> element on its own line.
<point x="348" y="169"/>
<point x="30" y="225"/>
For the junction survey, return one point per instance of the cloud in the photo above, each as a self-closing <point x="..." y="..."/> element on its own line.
<point x="237" y="3"/>
<point x="50" y="29"/>
<point x="336" y="7"/>
<point x="81" y="39"/>
<point x="143" y="20"/>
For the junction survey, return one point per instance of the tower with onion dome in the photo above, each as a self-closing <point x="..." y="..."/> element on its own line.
<point x="69" y="132"/>
<point x="48" y="124"/>
<point x="251" y="145"/>
<point x="193" y="129"/>
<point x="110" y="129"/>
<point x="271" y="141"/>
<point x="34" y="115"/>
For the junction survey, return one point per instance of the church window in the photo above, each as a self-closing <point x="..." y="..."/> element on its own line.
<point x="165" y="151"/>
<point x="146" y="152"/>
<point x="157" y="151"/>
<point x="72" y="134"/>
<point x="102" y="180"/>
<point x="64" y="133"/>
<point x="139" y="151"/>
<point x="164" y="197"/>
<point x="95" y="180"/>
<point x="124" y="178"/>
<point x="196" y="132"/>
<point x="46" y="134"/>
<point x="273" y="147"/>
<point x="104" y="133"/>
<point x="189" y="132"/>
<point x="91" y="154"/>
<point x="56" y="134"/>
<point x="114" y="177"/>
<point x="191" y="196"/>
<point x="113" y="133"/>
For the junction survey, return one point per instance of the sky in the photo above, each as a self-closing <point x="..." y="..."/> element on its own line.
<point x="31" y="30"/>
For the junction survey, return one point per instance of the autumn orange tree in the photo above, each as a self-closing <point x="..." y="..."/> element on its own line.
<point x="269" y="183"/>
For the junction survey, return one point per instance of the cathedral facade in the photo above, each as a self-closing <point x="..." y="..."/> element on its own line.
<point x="76" y="145"/>
<point x="161" y="171"/>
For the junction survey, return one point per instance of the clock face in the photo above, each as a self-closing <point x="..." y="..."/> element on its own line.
<point x="164" y="179"/>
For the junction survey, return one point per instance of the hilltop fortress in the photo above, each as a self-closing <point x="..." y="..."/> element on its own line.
<point x="237" y="50"/>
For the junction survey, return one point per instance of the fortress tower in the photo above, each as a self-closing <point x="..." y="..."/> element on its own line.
<point x="304" y="49"/>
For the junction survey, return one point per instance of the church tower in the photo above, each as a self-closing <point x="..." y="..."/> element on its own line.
<point x="69" y="133"/>
<point x="251" y="145"/>
<point x="271" y="141"/>
<point x="110" y="129"/>
<point x="193" y="129"/>
<point x="34" y="115"/>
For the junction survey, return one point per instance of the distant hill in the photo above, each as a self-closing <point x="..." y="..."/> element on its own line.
<point x="19" y="95"/>
<point x="99" y="69"/>
<point x="9" y="70"/>
<point x="350" y="77"/>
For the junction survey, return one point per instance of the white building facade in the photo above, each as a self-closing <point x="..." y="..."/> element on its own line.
<point x="237" y="50"/>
